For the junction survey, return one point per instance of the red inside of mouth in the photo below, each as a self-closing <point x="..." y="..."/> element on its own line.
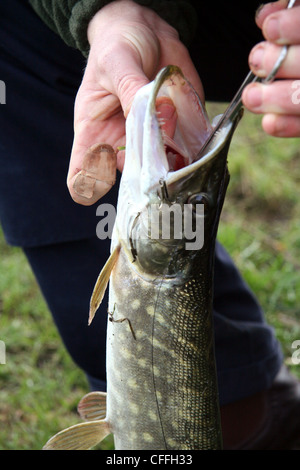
<point x="175" y="160"/>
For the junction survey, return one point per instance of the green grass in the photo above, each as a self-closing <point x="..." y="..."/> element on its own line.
<point x="40" y="386"/>
<point x="260" y="223"/>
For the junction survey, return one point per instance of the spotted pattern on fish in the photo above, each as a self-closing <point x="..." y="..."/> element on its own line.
<point x="174" y="378"/>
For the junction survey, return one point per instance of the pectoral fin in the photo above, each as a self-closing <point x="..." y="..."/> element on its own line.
<point x="101" y="283"/>
<point x="82" y="436"/>
<point x="93" y="406"/>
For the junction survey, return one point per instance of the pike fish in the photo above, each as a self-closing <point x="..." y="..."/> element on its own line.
<point x="161" y="375"/>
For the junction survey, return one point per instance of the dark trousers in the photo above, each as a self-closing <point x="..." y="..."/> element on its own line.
<point x="42" y="76"/>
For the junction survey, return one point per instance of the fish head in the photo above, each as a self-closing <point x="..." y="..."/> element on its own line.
<point x="170" y="196"/>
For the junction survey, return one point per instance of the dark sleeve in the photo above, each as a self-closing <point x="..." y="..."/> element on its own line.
<point x="70" y="18"/>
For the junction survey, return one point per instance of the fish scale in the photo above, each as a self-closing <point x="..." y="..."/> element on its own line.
<point x="175" y="384"/>
<point x="183" y="330"/>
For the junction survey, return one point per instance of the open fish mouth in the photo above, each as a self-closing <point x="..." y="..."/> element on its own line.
<point x="168" y="191"/>
<point x="187" y="126"/>
<point x="163" y="149"/>
<point x="165" y="131"/>
<point x="176" y="142"/>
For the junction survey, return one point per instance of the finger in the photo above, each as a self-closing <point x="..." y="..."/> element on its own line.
<point x="280" y="125"/>
<point x="265" y="10"/>
<point x="92" y="169"/>
<point x="264" y="56"/>
<point x="99" y="119"/>
<point x="283" y="27"/>
<point x="97" y="176"/>
<point x="279" y="97"/>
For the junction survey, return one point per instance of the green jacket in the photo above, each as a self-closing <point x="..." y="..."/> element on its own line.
<point x="70" y="18"/>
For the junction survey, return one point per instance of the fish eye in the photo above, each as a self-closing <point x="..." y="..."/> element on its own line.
<point x="199" y="198"/>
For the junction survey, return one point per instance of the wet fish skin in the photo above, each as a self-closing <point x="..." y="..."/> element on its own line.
<point x="162" y="389"/>
<point x="170" y="392"/>
<point x="169" y="382"/>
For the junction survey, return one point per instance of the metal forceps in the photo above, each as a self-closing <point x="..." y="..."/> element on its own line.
<point x="236" y="103"/>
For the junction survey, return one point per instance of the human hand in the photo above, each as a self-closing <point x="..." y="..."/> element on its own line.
<point x="129" y="45"/>
<point x="278" y="101"/>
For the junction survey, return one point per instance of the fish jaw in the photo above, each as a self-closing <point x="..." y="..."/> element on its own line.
<point x="192" y="127"/>
<point x="150" y="183"/>
<point x="146" y="162"/>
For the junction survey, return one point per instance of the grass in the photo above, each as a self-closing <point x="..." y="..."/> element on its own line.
<point x="40" y="386"/>
<point x="260" y="223"/>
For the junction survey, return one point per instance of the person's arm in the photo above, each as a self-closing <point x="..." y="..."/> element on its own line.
<point x="70" y="18"/>
<point x="280" y="100"/>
